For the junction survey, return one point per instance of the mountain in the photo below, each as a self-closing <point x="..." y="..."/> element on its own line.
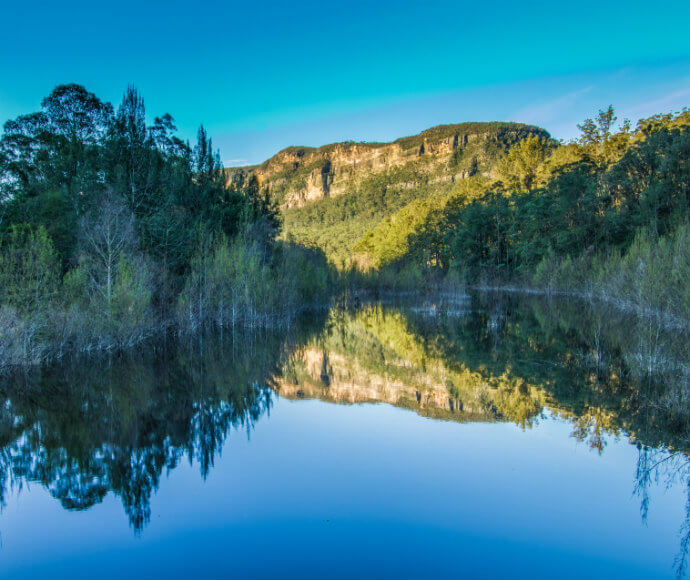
<point x="332" y="196"/>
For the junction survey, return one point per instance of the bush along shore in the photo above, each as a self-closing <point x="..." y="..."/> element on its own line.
<point x="113" y="230"/>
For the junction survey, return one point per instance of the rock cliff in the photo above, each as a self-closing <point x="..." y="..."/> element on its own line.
<point x="298" y="176"/>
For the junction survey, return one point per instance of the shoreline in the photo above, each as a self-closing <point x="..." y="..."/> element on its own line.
<point x="348" y="298"/>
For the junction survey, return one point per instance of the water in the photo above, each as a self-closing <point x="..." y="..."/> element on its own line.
<point x="479" y="438"/>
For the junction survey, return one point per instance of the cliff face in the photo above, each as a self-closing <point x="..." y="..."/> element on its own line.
<point x="298" y="176"/>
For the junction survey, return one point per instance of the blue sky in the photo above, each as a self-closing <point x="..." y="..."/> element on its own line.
<point x="264" y="75"/>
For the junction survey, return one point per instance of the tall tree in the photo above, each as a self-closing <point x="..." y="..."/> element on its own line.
<point x="130" y="151"/>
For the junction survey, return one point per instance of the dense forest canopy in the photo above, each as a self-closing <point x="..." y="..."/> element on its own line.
<point x="62" y="164"/>
<point x="112" y="227"/>
<point x="586" y="196"/>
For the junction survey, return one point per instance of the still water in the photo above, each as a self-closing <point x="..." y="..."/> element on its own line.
<point x="482" y="437"/>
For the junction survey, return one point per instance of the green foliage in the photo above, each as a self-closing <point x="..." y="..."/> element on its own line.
<point x="75" y="287"/>
<point x="596" y="132"/>
<point x="304" y="274"/>
<point x="234" y="283"/>
<point x="125" y="204"/>
<point x="131" y="302"/>
<point x="336" y="225"/>
<point x="349" y="228"/>
<point x="29" y="268"/>
<point x="523" y="168"/>
<point x="52" y="211"/>
<point x="59" y="163"/>
<point x="388" y="242"/>
<point x="577" y="206"/>
<point x="651" y="274"/>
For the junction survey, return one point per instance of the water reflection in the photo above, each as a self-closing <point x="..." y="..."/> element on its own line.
<point x="84" y="429"/>
<point x="87" y="428"/>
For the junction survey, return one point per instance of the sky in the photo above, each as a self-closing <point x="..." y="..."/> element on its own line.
<point x="265" y="75"/>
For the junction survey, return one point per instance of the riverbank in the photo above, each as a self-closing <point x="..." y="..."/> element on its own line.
<point x="54" y="335"/>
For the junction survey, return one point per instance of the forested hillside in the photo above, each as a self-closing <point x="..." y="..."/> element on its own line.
<point x="332" y="196"/>
<point x="604" y="215"/>
<point x="607" y="215"/>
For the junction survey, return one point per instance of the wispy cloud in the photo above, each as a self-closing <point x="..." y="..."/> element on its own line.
<point x="552" y="110"/>
<point x="671" y="101"/>
<point x="234" y="162"/>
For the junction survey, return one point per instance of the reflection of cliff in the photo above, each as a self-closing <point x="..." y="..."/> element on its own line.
<point x="347" y="383"/>
<point x="371" y="356"/>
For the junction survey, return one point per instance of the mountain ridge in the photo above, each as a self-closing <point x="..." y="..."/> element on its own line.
<point x="297" y="176"/>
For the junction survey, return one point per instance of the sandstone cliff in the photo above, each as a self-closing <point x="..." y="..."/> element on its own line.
<point x="298" y="176"/>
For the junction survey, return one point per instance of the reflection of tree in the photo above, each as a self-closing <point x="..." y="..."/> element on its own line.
<point x="90" y="427"/>
<point x="588" y="428"/>
<point x="582" y="358"/>
<point x="84" y="429"/>
<point x="605" y="371"/>
<point x="660" y="466"/>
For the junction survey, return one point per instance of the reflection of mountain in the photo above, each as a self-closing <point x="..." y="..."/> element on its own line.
<point x="88" y="428"/>
<point x="373" y="356"/>
<point x="345" y="382"/>
<point x="507" y="360"/>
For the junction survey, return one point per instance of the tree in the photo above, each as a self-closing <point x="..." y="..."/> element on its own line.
<point x="76" y="114"/>
<point x="56" y="149"/>
<point x="597" y="132"/>
<point x="162" y="134"/>
<point x="262" y="216"/>
<point x="522" y="169"/>
<point x="24" y="151"/>
<point x="107" y="236"/>
<point x="130" y="152"/>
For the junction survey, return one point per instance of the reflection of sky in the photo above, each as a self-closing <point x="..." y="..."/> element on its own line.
<point x="263" y="75"/>
<point x="310" y="496"/>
